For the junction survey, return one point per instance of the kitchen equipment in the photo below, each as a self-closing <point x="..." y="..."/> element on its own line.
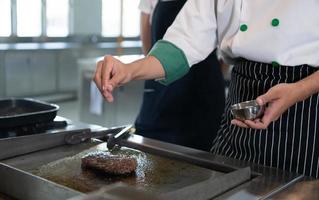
<point x="211" y="187"/>
<point x="19" y="112"/>
<point x="248" y="110"/>
<point x="114" y="139"/>
<point x="155" y="174"/>
<point x="200" y="191"/>
<point x="39" y="136"/>
<point x="170" y="168"/>
<point x="31" y="129"/>
<point x="118" y="191"/>
<point x="32" y="186"/>
<point x="112" y="134"/>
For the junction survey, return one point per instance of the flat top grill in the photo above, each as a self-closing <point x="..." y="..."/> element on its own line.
<point x="163" y="167"/>
<point x="154" y="173"/>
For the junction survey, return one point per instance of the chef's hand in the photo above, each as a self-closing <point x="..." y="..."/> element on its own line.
<point x="109" y="74"/>
<point x="278" y="99"/>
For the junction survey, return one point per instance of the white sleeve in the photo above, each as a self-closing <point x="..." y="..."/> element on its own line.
<point x="145" y="6"/>
<point x="194" y="30"/>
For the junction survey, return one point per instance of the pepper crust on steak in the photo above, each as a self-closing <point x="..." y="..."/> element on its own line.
<point x="109" y="163"/>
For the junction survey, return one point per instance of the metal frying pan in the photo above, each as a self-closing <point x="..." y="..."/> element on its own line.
<point x="24" y="111"/>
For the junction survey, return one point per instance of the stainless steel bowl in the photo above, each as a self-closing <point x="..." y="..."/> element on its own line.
<point x="247" y="110"/>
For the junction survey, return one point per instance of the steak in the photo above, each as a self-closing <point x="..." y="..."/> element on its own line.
<point x="109" y="163"/>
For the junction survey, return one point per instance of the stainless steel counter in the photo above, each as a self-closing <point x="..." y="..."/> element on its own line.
<point x="305" y="188"/>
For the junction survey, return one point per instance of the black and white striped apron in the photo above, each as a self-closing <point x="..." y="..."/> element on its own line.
<point x="290" y="143"/>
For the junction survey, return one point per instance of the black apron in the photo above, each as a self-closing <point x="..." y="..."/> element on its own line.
<point x="188" y="111"/>
<point x="290" y="143"/>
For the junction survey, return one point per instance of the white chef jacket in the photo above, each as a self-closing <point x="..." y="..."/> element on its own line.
<point x="148" y="6"/>
<point x="268" y="31"/>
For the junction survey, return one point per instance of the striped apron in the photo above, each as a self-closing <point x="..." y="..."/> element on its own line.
<point x="290" y="143"/>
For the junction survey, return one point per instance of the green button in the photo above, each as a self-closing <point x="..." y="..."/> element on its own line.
<point x="243" y="27"/>
<point x="275" y="22"/>
<point x="275" y="64"/>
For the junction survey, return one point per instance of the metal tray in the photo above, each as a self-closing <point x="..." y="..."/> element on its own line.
<point x="262" y="184"/>
<point x="17" y="184"/>
<point x="24" y="111"/>
<point x="156" y="175"/>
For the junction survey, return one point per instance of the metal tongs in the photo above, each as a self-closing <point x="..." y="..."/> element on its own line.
<point x="112" y="136"/>
<point x="114" y="139"/>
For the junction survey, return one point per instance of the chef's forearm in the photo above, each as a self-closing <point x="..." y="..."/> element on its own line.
<point x="146" y="68"/>
<point x="165" y="61"/>
<point x="308" y="86"/>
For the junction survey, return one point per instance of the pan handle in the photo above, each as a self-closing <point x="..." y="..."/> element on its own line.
<point x="77" y="138"/>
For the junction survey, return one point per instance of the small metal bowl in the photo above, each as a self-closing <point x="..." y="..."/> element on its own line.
<point x="248" y="110"/>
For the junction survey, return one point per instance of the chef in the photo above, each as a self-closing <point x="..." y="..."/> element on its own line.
<point x="170" y="113"/>
<point x="274" y="46"/>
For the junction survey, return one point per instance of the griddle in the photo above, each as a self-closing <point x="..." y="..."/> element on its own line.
<point x="154" y="173"/>
<point x="25" y="111"/>
<point x="261" y="184"/>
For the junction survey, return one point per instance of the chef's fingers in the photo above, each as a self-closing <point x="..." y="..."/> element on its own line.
<point x="269" y="96"/>
<point x="257" y="120"/>
<point x="239" y="123"/>
<point x="107" y="93"/>
<point x="109" y="97"/>
<point x="273" y="111"/>
<point x="116" y="81"/>
<point x="98" y="81"/>
<point x="108" y="64"/>
<point x="97" y="75"/>
<point x="109" y="88"/>
<point x="256" y="124"/>
<point x="119" y="77"/>
<point x="271" y="114"/>
<point x="106" y="75"/>
<point x="262" y="123"/>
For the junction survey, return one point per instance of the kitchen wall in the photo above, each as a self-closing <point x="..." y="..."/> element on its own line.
<point x="86" y="17"/>
<point x="36" y="67"/>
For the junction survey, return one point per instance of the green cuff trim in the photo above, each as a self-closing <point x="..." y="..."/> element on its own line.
<point x="172" y="59"/>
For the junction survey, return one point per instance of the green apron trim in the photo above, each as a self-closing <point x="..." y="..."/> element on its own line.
<point x="172" y="59"/>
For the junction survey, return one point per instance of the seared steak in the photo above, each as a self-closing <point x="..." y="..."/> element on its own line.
<point x="108" y="163"/>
